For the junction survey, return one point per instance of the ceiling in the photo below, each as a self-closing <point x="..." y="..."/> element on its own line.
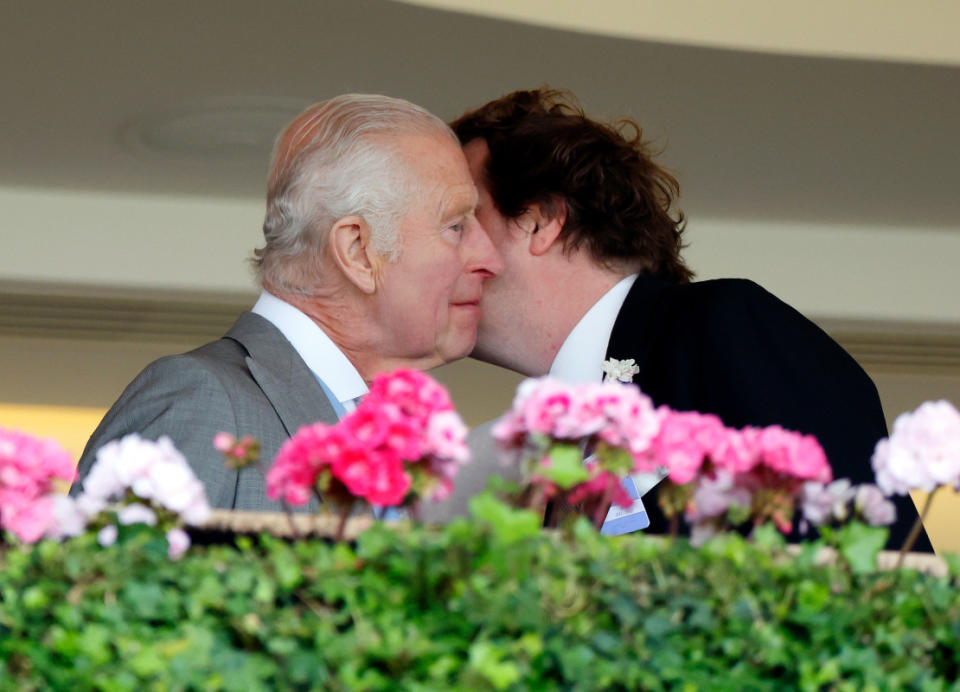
<point x="184" y="97"/>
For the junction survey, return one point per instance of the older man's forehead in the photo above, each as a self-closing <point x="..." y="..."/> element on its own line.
<point x="457" y="199"/>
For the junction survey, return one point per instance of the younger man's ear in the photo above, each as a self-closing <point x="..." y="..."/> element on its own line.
<point x="544" y="225"/>
<point x="351" y="251"/>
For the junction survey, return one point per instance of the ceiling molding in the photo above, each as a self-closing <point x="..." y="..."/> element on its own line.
<point x="91" y="313"/>
<point x="108" y="314"/>
<point x="897" y="30"/>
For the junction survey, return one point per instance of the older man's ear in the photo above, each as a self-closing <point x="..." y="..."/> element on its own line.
<point x="351" y="252"/>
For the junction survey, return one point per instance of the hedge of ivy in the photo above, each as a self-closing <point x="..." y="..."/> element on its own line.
<point x="466" y="607"/>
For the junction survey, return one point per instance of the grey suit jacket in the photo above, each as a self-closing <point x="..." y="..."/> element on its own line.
<point x="250" y="382"/>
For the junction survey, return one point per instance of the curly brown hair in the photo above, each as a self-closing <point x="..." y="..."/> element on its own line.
<point x="618" y="199"/>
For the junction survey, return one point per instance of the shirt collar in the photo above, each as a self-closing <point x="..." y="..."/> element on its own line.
<point x="312" y="344"/>
<point x="582" y="353"/>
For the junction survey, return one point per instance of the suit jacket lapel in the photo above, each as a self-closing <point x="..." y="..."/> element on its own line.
<point x="281" y="374"/>
<point x="631" y="334"/>
<point x="632" y="337"/>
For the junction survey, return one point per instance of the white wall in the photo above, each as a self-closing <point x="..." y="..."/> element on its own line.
<point x="128" y="241"/>
<point x="194" y="243"/>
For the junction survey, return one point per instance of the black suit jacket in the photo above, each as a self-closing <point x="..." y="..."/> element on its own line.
<point x="730" y="348"/>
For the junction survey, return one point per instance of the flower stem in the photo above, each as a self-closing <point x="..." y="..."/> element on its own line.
<point x="917" y="526"/>
<point x="342" y="524"/>
<point x="601" y="512"/>
<point x="537" y="502"/>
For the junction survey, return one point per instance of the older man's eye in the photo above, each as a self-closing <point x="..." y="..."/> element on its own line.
<point x="458" y="227"/>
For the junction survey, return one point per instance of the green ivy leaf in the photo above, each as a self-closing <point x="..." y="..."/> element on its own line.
<point x="566" y="466"/>
<point x="486" y="659"/>
<point x="768" y="537"/>
<point x="860" y="544"/>
<point x="509" y="524"/>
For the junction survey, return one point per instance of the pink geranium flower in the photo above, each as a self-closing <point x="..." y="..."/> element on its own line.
<point x="28" y="469"/>
<point x="404" y="435"/>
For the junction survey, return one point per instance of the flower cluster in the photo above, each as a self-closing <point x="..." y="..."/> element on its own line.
<point x="551" y="423"/>
<point x="736" y="474"/>
<point x="922" y="453"/>
<point x="142" y="482"/>
<point x="237" y="454"/>
<point x="596" y="412"/>
<point x="28" y="469"/>
<point x="619" y="370"/>
<point x="840" y="501"/>
<point x="756" y="472"/>
<point x="404" y="440"/>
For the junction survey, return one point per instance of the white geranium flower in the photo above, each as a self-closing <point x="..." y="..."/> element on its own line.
<point x="619" y="370"/>
<point x="825" y="503"/>
<point x="874" y="507"/>
<point x="107" y="536"/>
<point x="178" y="541"/>
<point x="136" y="513"/>
<point x="69" y="519"/>
<point x="922" y="453"/>
<point x="154" y="471"/>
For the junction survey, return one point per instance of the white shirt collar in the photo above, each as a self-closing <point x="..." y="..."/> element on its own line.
<point x="316" y="348"/>
<point x="585" y="348"/>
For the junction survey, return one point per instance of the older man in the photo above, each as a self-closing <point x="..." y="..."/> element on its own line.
<point x="372" y="260"/>
<point x="584" y="220"/>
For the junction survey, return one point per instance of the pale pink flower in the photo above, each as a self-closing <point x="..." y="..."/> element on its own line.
<point x="714" y="496"/>
<point x="152" y="470"/>
<point x="447" y="437"/>
<point x="922" y="453"/>
<point x="876" y="509"/>
<point x="510" y="435"/>
<point x="637" y="418"/>
<point x="822" y="504"/>
<point x="120" y="463"/>
<point x="107" y="536"/>
<point x="545" y="406"/>
<point x="178" y="541"/>
<point x="442" y="489"/>
<point x="702" y="532"/>
<point x="224" y="442"/>
<point x="136" y="513"/>
<point x="90" y="505"/>
<point x="69" y="520"/>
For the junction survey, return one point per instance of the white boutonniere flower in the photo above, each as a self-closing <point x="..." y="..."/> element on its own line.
<point x="619" y="370"/>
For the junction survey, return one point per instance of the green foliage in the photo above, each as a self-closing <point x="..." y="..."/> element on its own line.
<point x="566" y="466"/>
<point x="473" y="606"/>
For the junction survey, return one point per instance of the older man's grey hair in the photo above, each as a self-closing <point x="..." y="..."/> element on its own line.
<point x="338" y="158"/>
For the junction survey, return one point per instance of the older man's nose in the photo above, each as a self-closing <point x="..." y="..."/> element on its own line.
<point x="482" y="256"/>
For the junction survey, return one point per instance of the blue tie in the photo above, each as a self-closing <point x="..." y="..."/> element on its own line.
<point x="334" y="401"/>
